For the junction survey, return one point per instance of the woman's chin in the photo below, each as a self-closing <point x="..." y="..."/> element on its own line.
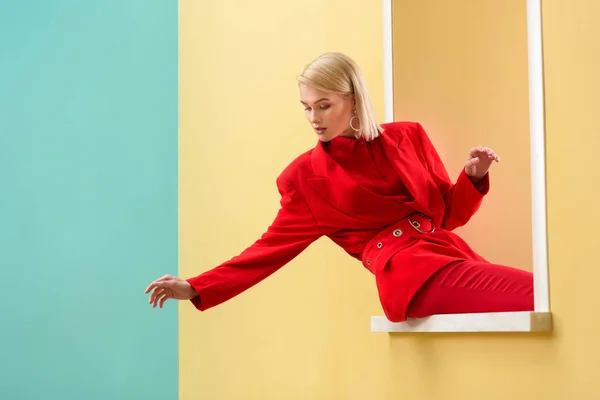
<point x="324" y="138"/>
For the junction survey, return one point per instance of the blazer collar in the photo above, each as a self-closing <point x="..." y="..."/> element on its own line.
<point x="321" y="161"/>
<point x="339" y="189"/>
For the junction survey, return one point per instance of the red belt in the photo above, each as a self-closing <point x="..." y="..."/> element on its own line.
<point x="394" y="238"/>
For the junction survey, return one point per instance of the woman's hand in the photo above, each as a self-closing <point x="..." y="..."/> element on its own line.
<point x="479" y="162"/>
<point x="169" y="287"/>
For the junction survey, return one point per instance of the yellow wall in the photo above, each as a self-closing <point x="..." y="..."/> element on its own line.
<point x="304" y="332"/>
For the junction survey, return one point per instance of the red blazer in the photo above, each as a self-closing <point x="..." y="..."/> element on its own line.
<point x="318" y="198"/>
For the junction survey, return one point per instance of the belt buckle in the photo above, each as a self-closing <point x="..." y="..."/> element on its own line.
<point x="416" y="225"/>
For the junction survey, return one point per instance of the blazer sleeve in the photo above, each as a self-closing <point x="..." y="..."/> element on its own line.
<point x="293" y="230"/>
<point x="463" y="198"/>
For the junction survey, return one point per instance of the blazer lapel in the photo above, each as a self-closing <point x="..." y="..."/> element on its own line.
<point x="414" y="174"/>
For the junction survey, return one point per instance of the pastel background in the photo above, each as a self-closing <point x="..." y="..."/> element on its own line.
<point x="304" y="332"/>
<point x="139" y="136"/>
<point x="461" y="69"/>
<point x="88" y="205"/>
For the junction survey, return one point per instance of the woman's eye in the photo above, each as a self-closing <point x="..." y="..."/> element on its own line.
<point x="324" y="107"/>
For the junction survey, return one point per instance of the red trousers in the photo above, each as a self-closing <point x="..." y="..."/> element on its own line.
<point x="474" y="287"/>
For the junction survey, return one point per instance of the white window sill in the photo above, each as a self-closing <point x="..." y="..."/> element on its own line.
<point x="485" y="322"/>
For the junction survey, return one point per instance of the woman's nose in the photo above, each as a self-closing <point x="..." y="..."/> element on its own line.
<point x="314" y="118"/>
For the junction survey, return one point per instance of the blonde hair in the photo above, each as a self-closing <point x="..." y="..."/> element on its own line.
<point x="339" y="74"/>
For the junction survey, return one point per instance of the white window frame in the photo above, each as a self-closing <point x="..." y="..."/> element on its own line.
<point x="541" y="318"/>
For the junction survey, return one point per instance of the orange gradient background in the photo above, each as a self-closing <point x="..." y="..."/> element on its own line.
<point x="460" y="68"/>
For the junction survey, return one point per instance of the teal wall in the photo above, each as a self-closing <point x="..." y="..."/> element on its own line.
<point x="88" y="202"/>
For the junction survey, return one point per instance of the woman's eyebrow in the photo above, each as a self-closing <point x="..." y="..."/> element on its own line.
<point x="318" y="101"/>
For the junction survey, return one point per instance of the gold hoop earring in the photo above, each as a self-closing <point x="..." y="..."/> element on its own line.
<point x="351" y="126"/>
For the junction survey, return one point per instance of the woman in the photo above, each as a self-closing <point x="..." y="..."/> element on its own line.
<point x="382" y="193"/>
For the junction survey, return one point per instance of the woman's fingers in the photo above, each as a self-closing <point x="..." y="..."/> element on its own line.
<point x="475" y="151"/>
<point x="472" y="162"/>
<point x="491" y="154"/>
<point x="162" y="294"/>
<point x="162" y="300"/>
<point x="479" y="151"/>
<point x="161" y="288"/>
<point x="157" y="292"/>
<point x="152" y="285"/>
<point x="149" y="288"/>
<point x="168" y="287"/>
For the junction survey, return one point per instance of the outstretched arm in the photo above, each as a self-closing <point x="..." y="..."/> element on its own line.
<point x="292" y="231"/>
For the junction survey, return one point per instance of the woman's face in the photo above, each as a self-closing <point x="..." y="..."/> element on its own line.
<point x="329" y="114"/>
